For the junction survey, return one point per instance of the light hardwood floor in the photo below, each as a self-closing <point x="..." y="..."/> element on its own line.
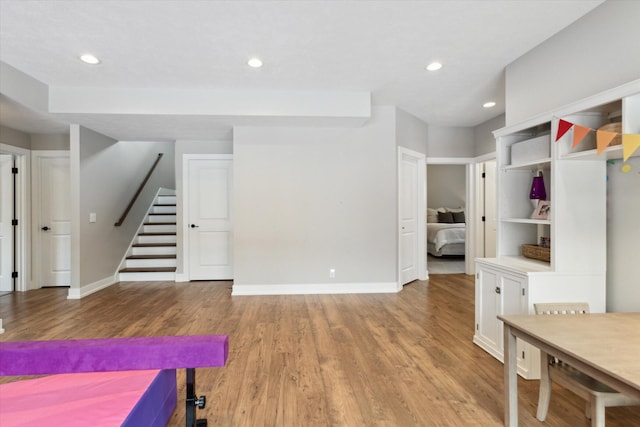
<point x="403" y="359"/>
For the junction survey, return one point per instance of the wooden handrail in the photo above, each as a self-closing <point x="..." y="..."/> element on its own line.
<point x="135" y="196"/>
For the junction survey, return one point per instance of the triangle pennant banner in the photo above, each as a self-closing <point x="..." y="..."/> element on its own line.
<point x="630" y="143"/>
<point x="579" y="132"/>
<point x="563" y="127"/>
<point x="603" y="139"/>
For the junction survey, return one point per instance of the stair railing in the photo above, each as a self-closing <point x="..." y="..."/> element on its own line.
<point x="135" y="196"/>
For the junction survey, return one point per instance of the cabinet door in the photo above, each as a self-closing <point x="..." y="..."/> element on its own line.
<point x="488" y="327"/>
<point x="512" y="303"/>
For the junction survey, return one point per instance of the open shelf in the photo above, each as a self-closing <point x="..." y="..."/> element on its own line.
<point x="533" y="165"/>
<point x="527" y="221"/>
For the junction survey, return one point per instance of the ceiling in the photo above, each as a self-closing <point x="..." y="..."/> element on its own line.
<point x="380" y="47"/>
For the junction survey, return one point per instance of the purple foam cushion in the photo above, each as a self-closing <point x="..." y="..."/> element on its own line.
<point x="112" y="354"/>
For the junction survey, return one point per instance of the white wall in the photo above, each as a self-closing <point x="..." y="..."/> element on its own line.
<point x="595" y="53"/>
<point x="190" y="147"/>
<point x="105" y="176"/>
<point x="447" y="141"/>
<point x="485" y="142"/>
<point x="446" y="186"/>
<point x="41" y="141"/>
<point x="311" y="199"/>
<point x="411" y="132"/>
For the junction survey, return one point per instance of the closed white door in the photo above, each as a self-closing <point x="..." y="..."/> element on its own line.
<point x="408" y="212"/>
<point x="53" y="225"/>
<point x="209" y="219"/>
<point x="6" y="215"/>
<point x="490" y="223"/>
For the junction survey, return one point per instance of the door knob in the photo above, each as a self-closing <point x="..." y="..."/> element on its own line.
<point x="45" y="228"/>
<point x="194" y="226"/>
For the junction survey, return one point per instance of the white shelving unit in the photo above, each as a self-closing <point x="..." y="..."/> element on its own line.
<point x="575" y="181"/>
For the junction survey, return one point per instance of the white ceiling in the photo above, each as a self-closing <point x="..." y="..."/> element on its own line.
<point x="381" y="47"/>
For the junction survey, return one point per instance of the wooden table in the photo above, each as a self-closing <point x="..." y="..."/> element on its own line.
<point x="605" y="346"/>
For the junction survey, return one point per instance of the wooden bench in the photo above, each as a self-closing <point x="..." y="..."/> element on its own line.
<point x="119" y="354"/>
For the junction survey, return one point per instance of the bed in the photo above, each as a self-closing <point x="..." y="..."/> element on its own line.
<point x="445" y="237"/>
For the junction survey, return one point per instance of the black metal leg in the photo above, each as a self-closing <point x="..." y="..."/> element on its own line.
<point x="192" y="401"/>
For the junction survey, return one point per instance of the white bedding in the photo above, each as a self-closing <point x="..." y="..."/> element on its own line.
<point x="445" y="234"/>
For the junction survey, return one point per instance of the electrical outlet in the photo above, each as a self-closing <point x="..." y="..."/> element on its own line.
<point x="332" y="273"/>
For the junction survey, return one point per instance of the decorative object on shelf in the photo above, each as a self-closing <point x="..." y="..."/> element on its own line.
<point x="538" y="192"/>
<point x="536" y="252"/>
<point x="545" y="242"/>
<point x="604" y="137"/>
<point x="542" y="210"/>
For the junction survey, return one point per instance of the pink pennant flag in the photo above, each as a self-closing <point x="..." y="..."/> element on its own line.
<point x="630" y="143"/>
<point x="563" y="127"/>
<point x="603" y="139"/>
<point x="579" y="132"/>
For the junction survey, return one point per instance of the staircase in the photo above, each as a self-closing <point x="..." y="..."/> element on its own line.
<point x="152" y="255"/>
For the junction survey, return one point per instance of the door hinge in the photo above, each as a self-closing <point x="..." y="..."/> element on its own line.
<point x="477" y="326"/>
<point x="14" y="171"/>
<point x="484" y="218"/>
<point x="523" y="355"/>
<point x="484" y="175"/>
<point x="14" y="222"/>
<point x="14" y="275"/>
<point x="522" y="292"/>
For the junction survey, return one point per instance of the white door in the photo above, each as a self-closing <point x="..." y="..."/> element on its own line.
<point x="412" y="219"/>
<point x="490" y="223"/>
<point x="6" y="230"/>
<point x="209" y="219"/>
<point x="53" y="223"/>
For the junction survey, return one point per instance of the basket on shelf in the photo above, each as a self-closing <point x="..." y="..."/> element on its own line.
<point x="536" y="252"/>
<point x="614" y="127"/>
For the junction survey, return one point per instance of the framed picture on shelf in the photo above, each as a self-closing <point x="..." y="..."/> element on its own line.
<point x="542" y="210"/>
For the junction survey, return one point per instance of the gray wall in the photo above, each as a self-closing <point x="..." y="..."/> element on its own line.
<point x="447" y="141"/>
<point x="41" y="141"/>
<point x="485" y="142"/>
<point x="598" y="52"/>
<point x="411" y="132"/>
<point x="14" y="137"/>
<point x="191" y="147"/>
<point x="109" y="173"/>
<point x="446" y="186"/>
<point x="311" y="199"/>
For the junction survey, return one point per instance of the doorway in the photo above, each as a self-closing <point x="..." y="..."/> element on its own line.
<point x="7" y="214"/>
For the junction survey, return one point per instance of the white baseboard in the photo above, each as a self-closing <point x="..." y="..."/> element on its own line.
<point x="1" y="330"/>
<point x="77" y="293"/>
<point x="181" y="277"/>
<point x="321" y="288"/>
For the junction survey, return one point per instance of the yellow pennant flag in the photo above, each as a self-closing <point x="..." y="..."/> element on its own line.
<point x="579" y="132"/>
<point x="630" y="143"/>
<point x="603" y="139"/>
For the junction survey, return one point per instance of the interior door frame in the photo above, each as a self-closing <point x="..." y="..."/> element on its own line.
<point x="183" y="223"/>
<point x="23" y="213"/>
<point x="474" y="203"/>
<point x="421" y="227"/>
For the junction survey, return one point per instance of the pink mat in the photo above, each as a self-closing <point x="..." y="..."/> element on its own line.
<point x="130" y="398"/>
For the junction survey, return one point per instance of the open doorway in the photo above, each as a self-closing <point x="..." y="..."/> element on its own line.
<point x="7" y="216"/>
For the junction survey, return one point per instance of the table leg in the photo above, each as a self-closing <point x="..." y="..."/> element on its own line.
<point x="510" y="379"/>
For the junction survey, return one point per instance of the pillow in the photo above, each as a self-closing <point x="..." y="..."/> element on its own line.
<point x="455" y="210"/>
<point x="445" y="217"/>
<point x="432" y="215"/>
<point x="458" y="217"/>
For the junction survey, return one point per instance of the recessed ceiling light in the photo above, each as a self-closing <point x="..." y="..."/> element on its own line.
<point x="434" y="66"/>
<point x="255" y="63"/>
<point x="489" y="104"/>
<point x="89" y="59"/>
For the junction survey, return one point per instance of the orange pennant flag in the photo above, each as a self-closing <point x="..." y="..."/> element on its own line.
<point x="630" y="143"/>
<point x="603" y="139"/>
<point x="579" y="132"/>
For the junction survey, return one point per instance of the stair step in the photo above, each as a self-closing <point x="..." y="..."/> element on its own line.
<point x="151" y="245"/>
<point x="159" y="223"/>
<point x="148" y="270"/>
<point x="151" y="257"/>
<point x="165" y="233"/>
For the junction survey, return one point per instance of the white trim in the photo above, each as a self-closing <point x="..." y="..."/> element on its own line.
<point x="36" y="241"/>
<point x="78" y="293"/>
<point x="23" y="213"/>
<point x="181" y="223"/>
<point x="421" y="187"/>
<point x="316" y="288"/>
<point x="449" y="160"/>
<point x="485" y="157"/>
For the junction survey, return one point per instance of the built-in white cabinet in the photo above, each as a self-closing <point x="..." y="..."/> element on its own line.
<point x="576" y="226"/>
